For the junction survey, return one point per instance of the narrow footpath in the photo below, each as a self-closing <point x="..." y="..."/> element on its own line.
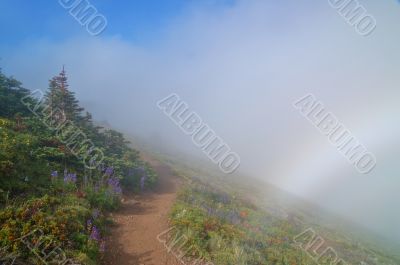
<point x="133" y="237"/>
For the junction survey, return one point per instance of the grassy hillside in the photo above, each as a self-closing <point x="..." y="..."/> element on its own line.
<point x="54" y="196"/>
<point x="240" y="220"/>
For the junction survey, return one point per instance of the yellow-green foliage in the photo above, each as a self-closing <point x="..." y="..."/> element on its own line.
<point x="228" y="230"/>
<point x="46" y="189"/>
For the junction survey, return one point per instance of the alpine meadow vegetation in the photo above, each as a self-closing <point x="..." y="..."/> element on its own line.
<point x="48" y="193"/>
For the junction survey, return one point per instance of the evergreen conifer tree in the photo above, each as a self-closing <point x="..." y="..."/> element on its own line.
<point x="60" y="98"/>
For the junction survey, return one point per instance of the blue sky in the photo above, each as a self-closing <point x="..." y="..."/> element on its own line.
<point x="240" y="65"/>
<point x="137" y="21"/>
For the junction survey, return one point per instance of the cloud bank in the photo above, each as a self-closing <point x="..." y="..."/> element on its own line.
<point x="240" y="68"/>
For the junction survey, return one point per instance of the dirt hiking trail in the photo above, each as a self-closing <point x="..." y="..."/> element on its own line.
<point x="141" y="218"/>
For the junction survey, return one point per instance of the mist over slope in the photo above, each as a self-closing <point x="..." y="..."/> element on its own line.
<point x="240" y="65"/>
<point x="260" y="191"/>
<point x="277" y="208"/>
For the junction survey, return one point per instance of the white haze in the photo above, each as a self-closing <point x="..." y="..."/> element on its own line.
<point x="240" y="68"/>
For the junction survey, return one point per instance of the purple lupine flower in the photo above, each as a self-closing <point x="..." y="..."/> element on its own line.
<point x="95" y="234"/>
<point x="114" y="186"/>
<point x="70" y="178"/>
<point x="109" y="171"/>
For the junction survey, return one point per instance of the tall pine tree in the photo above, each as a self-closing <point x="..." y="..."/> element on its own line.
<point x="60" y="98"/>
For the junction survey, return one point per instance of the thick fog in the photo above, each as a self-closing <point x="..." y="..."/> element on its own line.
<point x="240" y="68"/>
